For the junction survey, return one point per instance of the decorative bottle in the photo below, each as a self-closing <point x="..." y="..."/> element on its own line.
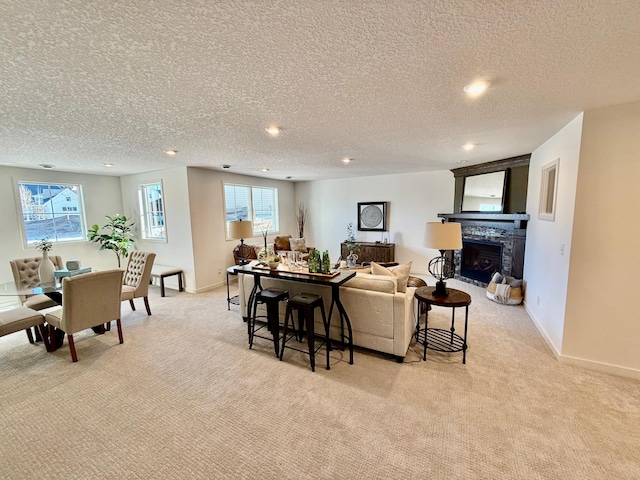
<point x="326" y="263"/>
<point x="314" y="262"/>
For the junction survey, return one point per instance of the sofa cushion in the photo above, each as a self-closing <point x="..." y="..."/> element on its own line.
<point x="281" y="242"/>
<point x="297" y="245"/>
<point x="379" y="283"/>
<point x="401" y="272"/>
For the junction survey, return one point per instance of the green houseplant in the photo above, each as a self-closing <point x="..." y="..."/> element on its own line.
<point x="117" y="235"/>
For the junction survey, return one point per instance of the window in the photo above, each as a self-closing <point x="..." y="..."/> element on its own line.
<point x="46" y="212"/>
<point x="548" y="191"/>
<point x="257" y="204"/>
<point x="152" y="211"/>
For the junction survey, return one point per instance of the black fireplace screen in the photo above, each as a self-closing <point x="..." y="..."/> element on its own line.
<point x="480" y="260"/>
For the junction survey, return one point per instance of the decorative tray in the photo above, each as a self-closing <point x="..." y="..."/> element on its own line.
<point x="303" y="271"/>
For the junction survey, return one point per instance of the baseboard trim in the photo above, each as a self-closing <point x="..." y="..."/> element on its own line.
<point x="207" y="288"/>
<point x="542" y="332"/>
<point x="582" y="362"/>
<point x="600" y="367"/>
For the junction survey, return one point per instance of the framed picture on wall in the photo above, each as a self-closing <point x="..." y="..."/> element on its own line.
<point x="372" y="216"/>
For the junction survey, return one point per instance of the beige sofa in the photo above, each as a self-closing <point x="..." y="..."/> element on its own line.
<point x="382" y="318"/>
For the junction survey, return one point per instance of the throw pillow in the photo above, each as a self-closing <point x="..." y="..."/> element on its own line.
<point x="297" y="245"/>
<point x="401" y="272"/>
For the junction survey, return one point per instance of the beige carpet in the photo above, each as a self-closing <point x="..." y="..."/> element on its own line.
<point x="184" y="397"/>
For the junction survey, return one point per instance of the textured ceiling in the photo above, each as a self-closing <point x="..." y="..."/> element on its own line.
<point x="92" y="81"/>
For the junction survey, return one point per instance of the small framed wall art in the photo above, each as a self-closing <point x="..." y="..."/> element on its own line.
<point x="372" y="216"/>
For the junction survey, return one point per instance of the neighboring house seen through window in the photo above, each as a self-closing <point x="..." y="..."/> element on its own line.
<point x="52" y="210"/>
<point x="257" y="204"/>
<point x="152" y="211"/>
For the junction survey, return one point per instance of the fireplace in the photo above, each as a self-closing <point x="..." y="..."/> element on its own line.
<point x="491" y="243"/>
<point x="480" y="259"/>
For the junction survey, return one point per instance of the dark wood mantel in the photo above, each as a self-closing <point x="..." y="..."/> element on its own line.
<point x="519" y="220"/>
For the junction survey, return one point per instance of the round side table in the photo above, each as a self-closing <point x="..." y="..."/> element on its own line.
<point x="437" y="338"/>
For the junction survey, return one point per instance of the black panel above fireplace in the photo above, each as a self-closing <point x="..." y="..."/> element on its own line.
<point x="480" y="260"/>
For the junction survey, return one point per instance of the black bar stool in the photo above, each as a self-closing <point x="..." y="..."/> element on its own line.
<point x="305" y="304"/>
<point x="271" y="297"/>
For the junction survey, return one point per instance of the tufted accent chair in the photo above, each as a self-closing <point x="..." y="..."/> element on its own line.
<point x="25" y="274"/>
<point x="137" y="277"/>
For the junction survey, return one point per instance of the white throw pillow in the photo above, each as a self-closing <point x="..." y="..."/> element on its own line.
<point x="401" y="272"/>
<point x="297" y="245"/>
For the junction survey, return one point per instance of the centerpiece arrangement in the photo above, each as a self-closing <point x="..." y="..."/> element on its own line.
<point x="46" y="268"/>
<point x="267" y="255"/>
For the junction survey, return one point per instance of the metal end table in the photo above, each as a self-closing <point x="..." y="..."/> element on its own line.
<point x="439" y="339"/>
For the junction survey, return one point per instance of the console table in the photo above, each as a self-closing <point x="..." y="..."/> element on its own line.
<point x="437" y="338"/>
<point x="371" y="252"/>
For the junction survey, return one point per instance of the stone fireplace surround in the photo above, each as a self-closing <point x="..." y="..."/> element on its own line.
<point x="507" y="229"/>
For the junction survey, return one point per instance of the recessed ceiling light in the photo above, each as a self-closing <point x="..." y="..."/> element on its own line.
<point x="461" y="161"/>
<point x="476" y="88"/>
<point x="171" y="152"/>
<point x="47" y="166"/>
<point x="273" y="130"/>
<point x="346" y="160"/>
<point x="469" y="146"/>
<point x="225" y="166"/>
<point x="108" y="165"/>
<point x="265" y="170"/>
<point x="288" y="178"/>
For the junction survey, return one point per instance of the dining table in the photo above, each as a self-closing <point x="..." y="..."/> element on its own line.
<point x="334" y="280"/>
<point x="54" y="292"/>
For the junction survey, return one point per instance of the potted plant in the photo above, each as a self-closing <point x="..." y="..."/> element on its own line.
<point x="118" y="236"/>
<point x="352" y="246"/>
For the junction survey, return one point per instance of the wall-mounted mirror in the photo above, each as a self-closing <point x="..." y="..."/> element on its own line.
<point x="484" y="192"/>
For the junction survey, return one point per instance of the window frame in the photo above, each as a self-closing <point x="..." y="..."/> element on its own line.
<point x="80" y="212"/>
<point x="274" y="226"/>
<point x="549" y="191"/>
<point x="144" y="214"/>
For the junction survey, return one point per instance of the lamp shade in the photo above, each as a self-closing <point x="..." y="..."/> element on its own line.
<point x="240" y="229"/>
<point x="443" y="236"/>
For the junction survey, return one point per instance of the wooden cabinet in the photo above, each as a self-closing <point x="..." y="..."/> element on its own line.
<point x="371" y="252"/>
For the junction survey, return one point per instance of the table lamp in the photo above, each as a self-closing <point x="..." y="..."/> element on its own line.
<point x="442" y="236"/>
<point x="241" y="230"/>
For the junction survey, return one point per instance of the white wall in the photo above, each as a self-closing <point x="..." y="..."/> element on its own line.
<point x="177" y="251"/>
<point x="414" y="199"/>
<point x="546" y="268"/>
<point x="212" y="253"/>
<point x="102" y="196"/>
<point x="602" y="327"/>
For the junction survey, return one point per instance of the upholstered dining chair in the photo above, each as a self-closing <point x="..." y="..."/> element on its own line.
<point x="25" y="275"/>
<point x="137" y="277"/>
<point x="90" y="300"/>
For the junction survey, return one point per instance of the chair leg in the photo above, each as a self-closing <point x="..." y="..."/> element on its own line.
<point x="29" y="335"/>
<point x="119" y="325"/>
<point x="133" y="307"/>
<point x="146" y="304"/>
<point x="72" y="347"/>
<point x="108" y="326"/>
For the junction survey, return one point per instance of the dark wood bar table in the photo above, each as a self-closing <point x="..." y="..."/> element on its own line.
<point x="335" y="282"/>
